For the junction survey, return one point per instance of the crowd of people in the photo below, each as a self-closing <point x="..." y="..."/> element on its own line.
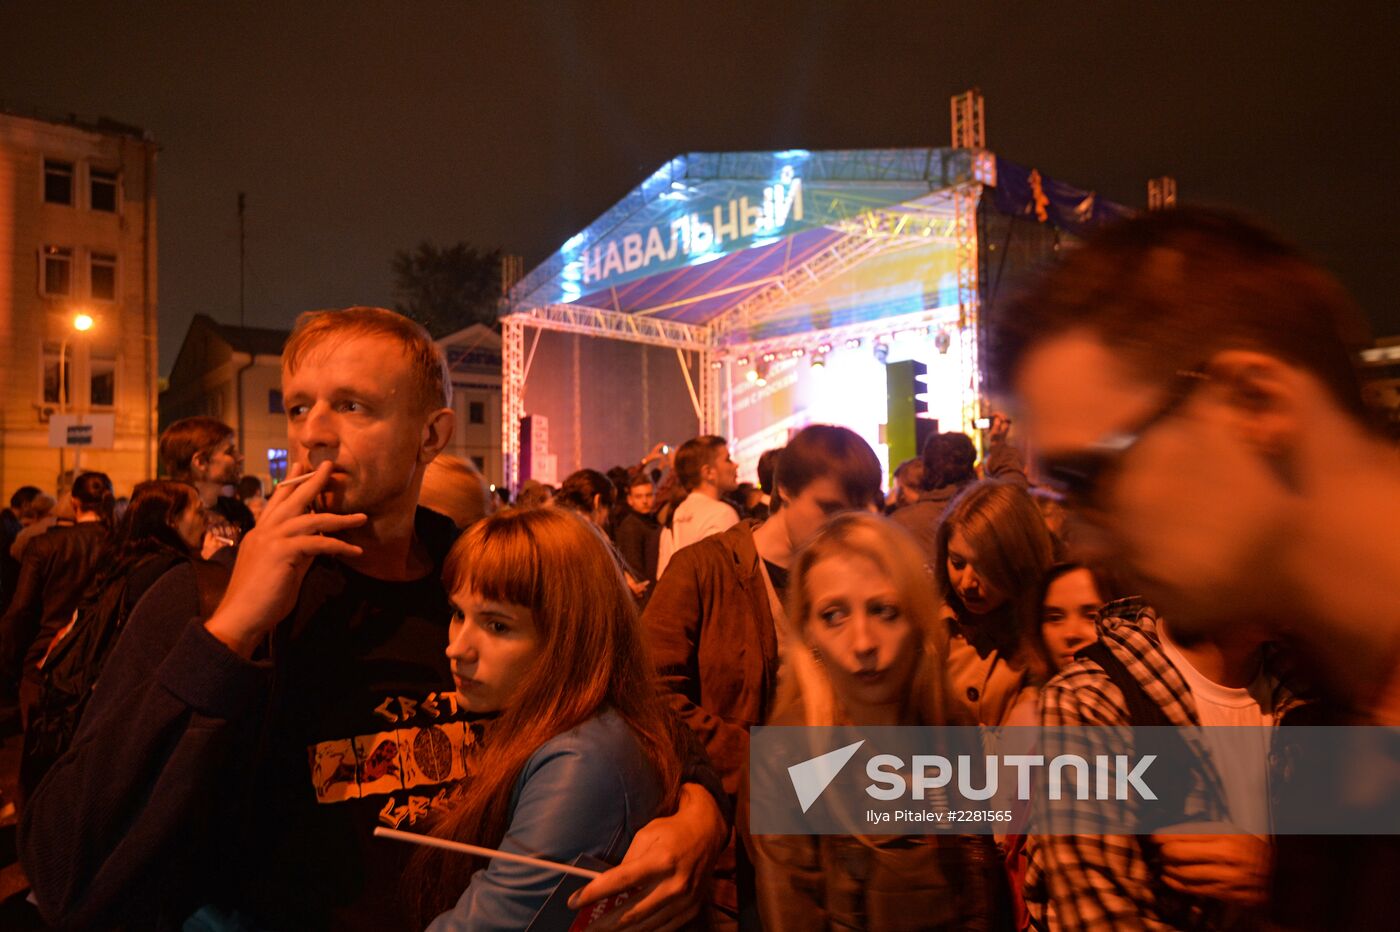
<point x="224" y="692"/>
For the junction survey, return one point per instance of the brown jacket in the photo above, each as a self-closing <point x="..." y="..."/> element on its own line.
<point x="710" y="631"/>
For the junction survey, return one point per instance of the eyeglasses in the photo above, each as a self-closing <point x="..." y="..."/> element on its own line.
<point x="1078" y="477"/>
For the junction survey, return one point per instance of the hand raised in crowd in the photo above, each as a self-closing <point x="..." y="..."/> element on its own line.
<point x="1233" y="869"/>
<point x="670" y="861"/>
<point x="1001" y="427"/>
<point x="274" y="557"/>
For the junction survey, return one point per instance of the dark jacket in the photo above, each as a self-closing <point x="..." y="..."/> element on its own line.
<point x="54" y="574"/>
<point x="273" y="770"/>
<point x="9" y="566"/>
<point x="1003" y="462"/>
<point x="637" y="537"/>
<point x="710" y="630"/>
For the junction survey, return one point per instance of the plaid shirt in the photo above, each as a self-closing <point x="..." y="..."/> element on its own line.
<point x="1108" y="881"/>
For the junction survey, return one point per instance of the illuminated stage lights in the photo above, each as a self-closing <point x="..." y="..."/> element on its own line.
<point x="798" y="353"/>
<point x="742" y="361"/>
<point x="824" y="348"/>
<point x="853" y="343"/>
<point x="769" y="357"/>
<point x="819" y="361"/>
<point x="717" y="364"/>
<point x="751" y="375"/>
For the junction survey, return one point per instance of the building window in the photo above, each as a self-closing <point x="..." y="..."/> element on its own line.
<point x="480" y="463"/>
<point x="52" y="395"/>
<point x="102" y="382"/>
<point x="476" y="412"/>
<point x="276" y="464"/>
<point x="56" y="271"/>
<point x="102" y="190"/>
<point x="58" y="182"/>
<point x="102" y="276"/>
<point x="274" y="401"/>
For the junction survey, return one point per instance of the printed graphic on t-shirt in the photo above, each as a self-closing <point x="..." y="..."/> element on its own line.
<point x="396" y="760"/>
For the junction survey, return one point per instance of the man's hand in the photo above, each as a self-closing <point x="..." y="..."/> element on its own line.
<point x="670" y="860"/>
<point x="273" y="559"/>
<point x="1231" y="868"/>
<point x="1001" y="426"/>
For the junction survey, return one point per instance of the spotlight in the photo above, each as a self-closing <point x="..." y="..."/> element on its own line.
<point x="798" y="353"/>
<point x="882" y="353"/>
<point x="853" y="343"/>
<point x="819" y="361"/>
<point x="824" y="348"/>
<point x="742" y="361"/>
<point x="751" y="375"/>
<point x="716" y="365"/>
<point x="769" y="357"/>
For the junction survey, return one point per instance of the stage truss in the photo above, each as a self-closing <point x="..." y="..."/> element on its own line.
<point x="707" y="350"/>
<point x="949" y="216"/>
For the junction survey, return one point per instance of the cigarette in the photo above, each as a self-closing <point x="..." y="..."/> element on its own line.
<point x="432" y="842"/>
<point x="294" y="480"/>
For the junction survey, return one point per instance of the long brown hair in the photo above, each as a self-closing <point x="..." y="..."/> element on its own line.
<point x="591" y="657"/>
<point x="890" y="548"/>
<point x="1004" y="528"/>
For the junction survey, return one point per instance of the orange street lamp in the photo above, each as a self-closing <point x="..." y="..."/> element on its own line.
<point x="82" y="322"/>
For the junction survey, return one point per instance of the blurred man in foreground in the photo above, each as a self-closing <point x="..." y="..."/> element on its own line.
<point x="1190" y="388"/>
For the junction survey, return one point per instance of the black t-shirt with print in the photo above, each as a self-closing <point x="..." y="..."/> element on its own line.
<point x="364" y="730"/>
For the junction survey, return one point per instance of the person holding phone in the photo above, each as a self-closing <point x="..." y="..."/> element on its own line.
<point x="582" y="751"/>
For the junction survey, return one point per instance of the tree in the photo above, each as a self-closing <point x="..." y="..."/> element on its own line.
<point x="449" y="288"/>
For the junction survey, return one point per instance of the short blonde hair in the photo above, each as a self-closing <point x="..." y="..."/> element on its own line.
<point x="896" y="553"/>
<point x="454" y="487"/>
<point x="314" y="328"/>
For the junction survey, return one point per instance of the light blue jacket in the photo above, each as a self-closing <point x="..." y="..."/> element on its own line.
<point x="587" y="791"/>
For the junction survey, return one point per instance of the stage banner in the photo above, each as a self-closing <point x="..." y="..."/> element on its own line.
<point x="700" y="207"/>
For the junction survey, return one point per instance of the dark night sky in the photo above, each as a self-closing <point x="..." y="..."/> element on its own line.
<point x="357" y="129"/>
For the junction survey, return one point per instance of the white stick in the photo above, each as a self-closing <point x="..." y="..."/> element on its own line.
<point x="295" y="479"/>
<point x="432" y="842"/>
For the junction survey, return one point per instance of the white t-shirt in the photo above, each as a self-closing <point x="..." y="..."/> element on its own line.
<point x="695" y="519"/>
<point x="1241" y="754"/>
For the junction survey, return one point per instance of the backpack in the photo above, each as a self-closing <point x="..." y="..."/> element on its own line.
<point x="1144" y="712"/>
<point x="70" y="670"/>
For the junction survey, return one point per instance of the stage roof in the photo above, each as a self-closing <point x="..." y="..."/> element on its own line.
<point x="709" y="230"/>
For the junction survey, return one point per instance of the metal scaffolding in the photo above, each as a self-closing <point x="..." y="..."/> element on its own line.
<point x="969" y="128"/>
<point x="947" y="212"/>
<point x="845" y="253"/>
<point x="512" y="395"/>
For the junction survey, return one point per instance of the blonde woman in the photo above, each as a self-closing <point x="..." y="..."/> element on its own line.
<point x="865" y="646"/>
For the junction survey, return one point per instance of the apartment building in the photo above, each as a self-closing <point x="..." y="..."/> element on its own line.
<point x="77" y="301"/>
